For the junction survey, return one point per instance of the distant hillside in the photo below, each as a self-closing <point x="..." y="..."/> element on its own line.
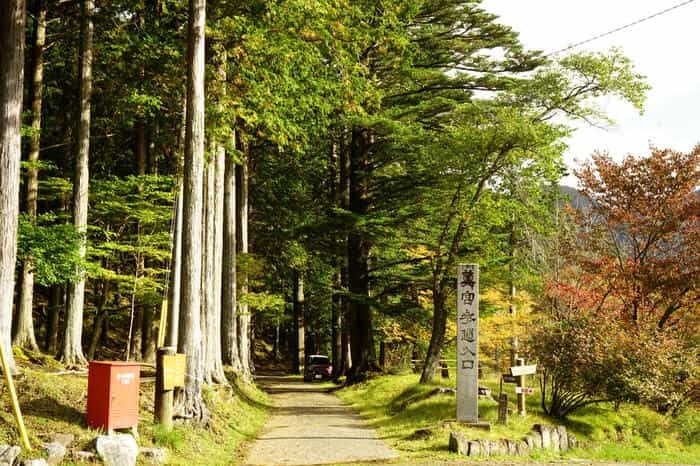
<point x="574" y="198"/>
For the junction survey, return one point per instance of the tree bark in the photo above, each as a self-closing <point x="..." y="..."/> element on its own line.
<point x="188" y="400"/>
<point x="212" y="267"/>
<point x="56" y="295"/>
<point x="174" y="281"/>
<point x="242" y="243"/>
<point x="298" y="306"/>
<point x="138" y="333"/>
<point x="214" y="217"/>
<point x="228" y="306"/>
<point x="150" y="334"/>
<point x="214" y="325"/>
<point x="437" y="337"/>
<point x="100" y="317"/>
<point x="24" y="329"/>
<point x="72" y="354"/>
<point x="336" y="325"/>
<point x="334" y="167"/>
<point x="362" y="344"/>
<point x="12" y="16"/>
<point x="207" y="265"/>
<point x="344" y="311"/>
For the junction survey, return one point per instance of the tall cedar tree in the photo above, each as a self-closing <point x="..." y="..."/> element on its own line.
<point x="24" y="327"/>
<point x="12" y="16"/>
<point x="189" y="402"/>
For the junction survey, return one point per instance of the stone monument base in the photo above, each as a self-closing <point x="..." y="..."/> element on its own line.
<point x="478" y="425"/>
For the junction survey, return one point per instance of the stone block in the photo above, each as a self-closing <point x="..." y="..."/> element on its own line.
<point x="503" y="447"/>
<point x="154" y="455"/>
<point x="563" y="438"/>
<point x="54" y="452"/>
<point x="117" y="450"/>
<point x="474" y="448"/>
<point x="35" y="462"/>
<point x="459" y="443"/>
<point x="63" y="439"/>
<point x="8" y="454"/>
<point x="546" y="433"/>
<point x="573" y="442"/>
<point x="485" y="447"/>
<point x="529" y="440"/>
<point x="522" y="448"/>
<point x="554" y="433"/>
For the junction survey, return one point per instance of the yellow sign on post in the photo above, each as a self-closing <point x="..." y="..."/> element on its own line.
<point x="173" y="371"/>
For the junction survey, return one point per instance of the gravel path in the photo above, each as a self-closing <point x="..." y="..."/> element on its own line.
<point x="309" y="426"/>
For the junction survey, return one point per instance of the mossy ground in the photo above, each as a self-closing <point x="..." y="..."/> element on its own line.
<point x="633" y="433"/>
<point x="54" y="401"/>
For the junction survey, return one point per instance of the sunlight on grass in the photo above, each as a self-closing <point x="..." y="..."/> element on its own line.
<point x="419" y="428"/>
<point x="54" y="401"/>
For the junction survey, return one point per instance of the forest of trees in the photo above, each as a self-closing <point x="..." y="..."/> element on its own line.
<point x="298" y="174"/>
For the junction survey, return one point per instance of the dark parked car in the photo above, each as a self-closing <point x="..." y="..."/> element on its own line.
<point x="318" y="367"/>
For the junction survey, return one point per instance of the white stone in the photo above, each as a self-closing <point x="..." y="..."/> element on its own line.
<point x="459" y="443"/>
<point x="563" y="438"/>
<point x="154" y="455"/>
<point x="55" y="452"/>
<point x="36" y="462"/>
<point x="8" y="454"/>
<point x="117" y="450"/>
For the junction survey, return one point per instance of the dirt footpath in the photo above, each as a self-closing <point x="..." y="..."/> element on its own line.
<point x="309" y="426"/>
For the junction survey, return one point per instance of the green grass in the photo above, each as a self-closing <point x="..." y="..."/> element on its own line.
<point x="54" y="403"/>
<point x="237" y="413"/>
<point x="420" y="429"/>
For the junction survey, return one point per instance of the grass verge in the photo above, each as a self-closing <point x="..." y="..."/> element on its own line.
<point x="54" y="401"/>
<point x="419" y="428"/>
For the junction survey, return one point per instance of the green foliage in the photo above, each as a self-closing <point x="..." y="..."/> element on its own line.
<point x="52" y="247"/>
<point x="395" y="405"/>
<point x="130" y="222"/>
<point x="169" y="438"/>
<point x="687" y="423"/>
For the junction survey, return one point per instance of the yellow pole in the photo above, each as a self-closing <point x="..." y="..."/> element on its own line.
<point x="163" y="320"/>
<point x="13" y="395"/>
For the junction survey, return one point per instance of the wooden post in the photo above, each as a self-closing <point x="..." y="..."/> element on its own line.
<point x="163" y="409"/>
<point x="444" y="370"/>
<point x="521" y="384"/>
<point x="503" y="408"/>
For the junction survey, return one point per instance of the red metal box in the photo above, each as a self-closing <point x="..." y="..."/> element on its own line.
<point x="113" y="395"/>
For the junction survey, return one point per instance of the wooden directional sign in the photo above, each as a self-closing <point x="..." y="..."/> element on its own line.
<point x="523" y="370"/>
<point x="507" y="378"/>
<point x="525" y="390"/>
<point x="173" y="371"/>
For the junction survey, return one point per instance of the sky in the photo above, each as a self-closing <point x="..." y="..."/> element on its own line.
<point x="664" y="49"/>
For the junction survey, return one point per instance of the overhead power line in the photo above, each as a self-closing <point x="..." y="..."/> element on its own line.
<point x="621" y="28"/>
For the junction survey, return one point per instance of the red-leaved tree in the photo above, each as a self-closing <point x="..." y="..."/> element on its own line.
<point x="640" y="238"/>
<point x="624" y="310"/>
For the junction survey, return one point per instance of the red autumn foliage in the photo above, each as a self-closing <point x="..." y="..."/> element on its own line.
<point x="640" y="240"/>
<point x="624" y="308"/>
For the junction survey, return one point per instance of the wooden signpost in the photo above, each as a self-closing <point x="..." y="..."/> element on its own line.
<point x="173" y="371"/>
<point x="523" y="370"/>
<point x="170" y="373"/>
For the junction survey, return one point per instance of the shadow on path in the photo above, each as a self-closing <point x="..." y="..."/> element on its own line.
<point x="309" y="426"/>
